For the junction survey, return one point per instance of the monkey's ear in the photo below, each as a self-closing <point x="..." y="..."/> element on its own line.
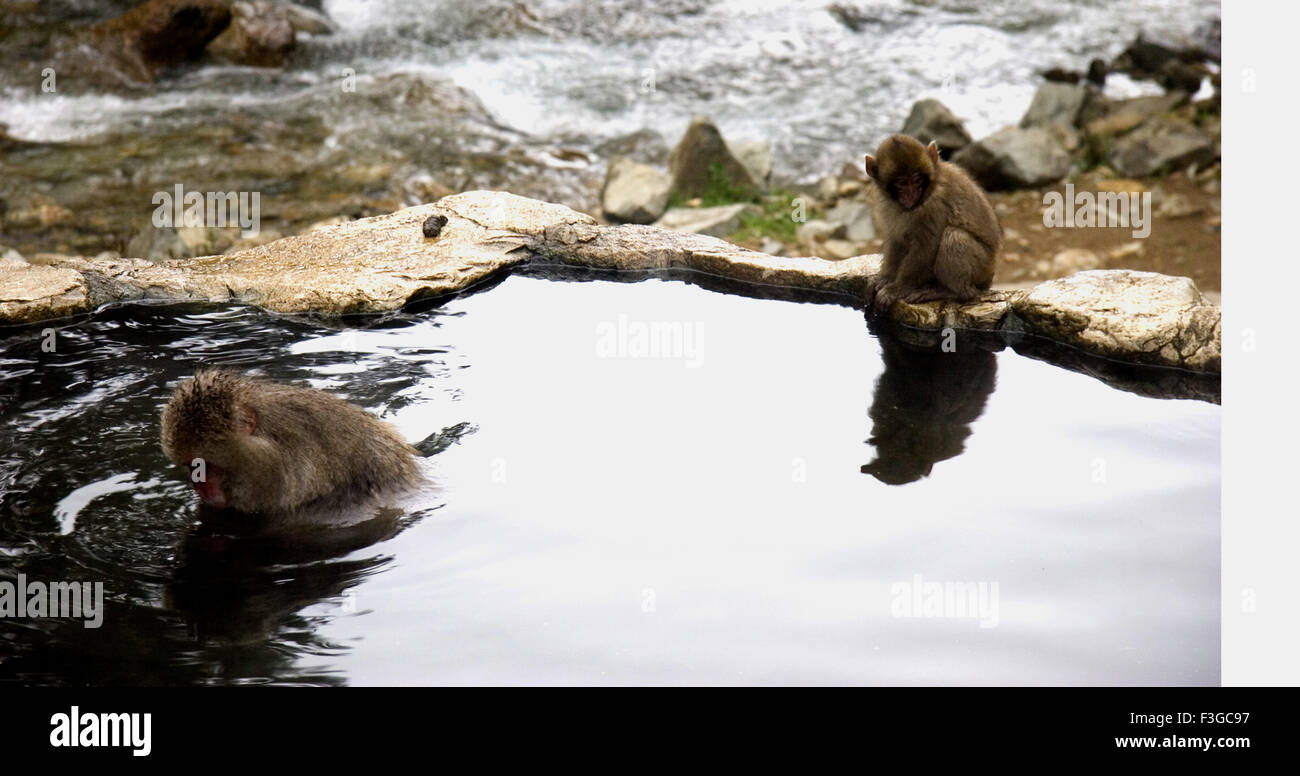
<point x="932" y="151"/>
<point x="873" y="169"/>
<point x="245" y="419"/>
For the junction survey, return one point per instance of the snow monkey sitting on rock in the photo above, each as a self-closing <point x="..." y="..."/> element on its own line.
<point x="940" y="232"/>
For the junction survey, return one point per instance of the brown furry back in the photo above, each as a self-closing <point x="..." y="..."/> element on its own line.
<point x="307" y="447"/>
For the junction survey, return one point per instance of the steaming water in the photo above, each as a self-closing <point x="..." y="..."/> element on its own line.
<point x="697" y="517"/>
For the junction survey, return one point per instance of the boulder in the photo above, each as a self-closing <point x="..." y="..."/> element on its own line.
<point x="1121" y="116"/>
<point x="818" y="231"/>
<point x="1056" y="103"/>
<point x="1072" y="260"/>
<point x="307" y="20"/>
<point x="1015" y="157"/>
<point x="839" y="250"/>
<point x="856" y="218"/>
<point x="1181" y="76"/>
<point x="131" y="49"/>
<point x="702" y="164"/>
<point x="930" y="120"/>
<point x="1061" y="75"/>
<point x="1145" y="56"/>
<point x="1097" y="72"/>
<point x="31" y="293"/>
<point x="985" y="314"/>
<point x="158" y="244"/>
<point x="634" y="193"/>
<point x="260" y="34"/>
<point x="1135" y="316"/>
<point x="756" y="155"/>
<point x="644" y="145"/>
<point x="712" y="221"/>
<point x="1161" y="145"/>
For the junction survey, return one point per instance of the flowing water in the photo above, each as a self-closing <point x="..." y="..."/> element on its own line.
<point x="641" y="483"/>
<point x="530" y="97"/>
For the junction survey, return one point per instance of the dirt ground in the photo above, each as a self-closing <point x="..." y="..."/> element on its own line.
<point x="1184" y="240"/>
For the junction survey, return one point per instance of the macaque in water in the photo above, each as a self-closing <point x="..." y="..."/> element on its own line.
<point x="941" y="235"/>
<point x="258" y="447"/>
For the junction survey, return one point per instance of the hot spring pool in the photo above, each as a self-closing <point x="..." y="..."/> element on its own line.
<point x="652" y="483"/>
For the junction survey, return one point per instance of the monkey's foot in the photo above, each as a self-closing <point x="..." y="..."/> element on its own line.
<point x="928" y="294"/>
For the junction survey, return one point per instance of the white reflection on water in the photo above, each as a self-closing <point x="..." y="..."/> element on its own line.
<point x="623" y="520"/>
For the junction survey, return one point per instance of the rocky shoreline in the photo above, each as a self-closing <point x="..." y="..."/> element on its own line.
<point x="384" y="263"/>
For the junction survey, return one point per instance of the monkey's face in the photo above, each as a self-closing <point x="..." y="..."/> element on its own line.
<point x="208" y="431"/>
<point x="904" y="169"/>
<point x="909" y="189"/>
<point x="211" y="467"/>
<point x="211" y="489"/>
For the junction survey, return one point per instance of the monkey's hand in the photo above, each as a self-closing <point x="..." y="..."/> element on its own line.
<point x="885" y="295"/>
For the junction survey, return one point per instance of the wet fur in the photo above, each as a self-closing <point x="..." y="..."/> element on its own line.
<point x="306" y="449"/>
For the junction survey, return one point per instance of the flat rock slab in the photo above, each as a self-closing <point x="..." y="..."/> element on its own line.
<point x="383" y="263"/>
<point x="35" y="293"/>
<point x="1143" y="317"/>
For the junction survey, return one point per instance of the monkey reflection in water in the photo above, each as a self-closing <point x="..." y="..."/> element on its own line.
<point x="924" y="403"/>
<point x="290" y="479"/>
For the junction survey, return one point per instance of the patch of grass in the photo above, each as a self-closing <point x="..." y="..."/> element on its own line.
<point x="776" y="219"/>
<point x="1096" y="151"/>
<point x="718" y="191"/>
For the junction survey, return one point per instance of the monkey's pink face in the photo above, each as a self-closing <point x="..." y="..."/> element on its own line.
<point x="210" y="490"/>
<point x="909" y="190"/>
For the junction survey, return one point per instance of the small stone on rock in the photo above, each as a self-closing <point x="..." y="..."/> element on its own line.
<point x="433" y="225"/>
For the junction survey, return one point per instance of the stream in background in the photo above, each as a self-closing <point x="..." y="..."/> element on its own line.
<point x="530" y="97"/>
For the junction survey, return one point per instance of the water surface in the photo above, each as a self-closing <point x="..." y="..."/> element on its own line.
<point x="613" y="514"/>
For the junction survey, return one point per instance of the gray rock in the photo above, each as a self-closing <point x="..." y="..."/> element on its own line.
<point x="260" y="34"/>
<point x="644" y="145"/>
<point x="32" y="292"/>
<point x="701" y="162"/>
<point x="756" y="155"/>
<point x="1136" y="316"/>
<point x="1056" y="103"/>
<point x="856" y="218"/>
<point x="306" y="20"/>
<point x="1177" y="206"/>
<point x="1181" y="76"/>
<point x="1097" y="72"/>
<point x="1120" y="116"/>
<point x="133" y="49"/>
<point x="1015" y="158"/>
<point x="841" y="249"/>
<point x="930" y="120"/>
<point x="634" y="193"/>
<point x="1067" y="138"/>
<point x="1072" y="260"/>
<point x="158" y="244"/>
<point x="1160" y="144"/>
<point x="712" y="221"/>
<point x="771" y="246"/>
<point x="1145" y="55"/>
<point x="817" y="231"/>
<point x="828" y="189"/>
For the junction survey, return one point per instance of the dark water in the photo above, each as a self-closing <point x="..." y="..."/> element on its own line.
<point x="612" y="512"/>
